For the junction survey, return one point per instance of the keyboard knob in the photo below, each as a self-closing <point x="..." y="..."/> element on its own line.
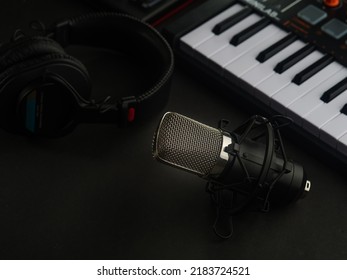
<point x="332" y="3"/>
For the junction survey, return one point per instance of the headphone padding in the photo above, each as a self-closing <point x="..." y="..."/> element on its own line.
<point x="27" y="48"/>
<point x="131" y="36"/>
<point x="37" y="61"/>
<point x="31" y="52"/>
<point x="20" y="75"/>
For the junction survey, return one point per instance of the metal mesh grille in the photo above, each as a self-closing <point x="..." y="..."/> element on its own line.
<point x="187" y="144"/>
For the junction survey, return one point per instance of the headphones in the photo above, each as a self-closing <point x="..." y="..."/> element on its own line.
<point x="46" y="92"/>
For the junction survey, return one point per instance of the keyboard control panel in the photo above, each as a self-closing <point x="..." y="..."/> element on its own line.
<point x="147" y="10"/>
<point x="320" y="22"/>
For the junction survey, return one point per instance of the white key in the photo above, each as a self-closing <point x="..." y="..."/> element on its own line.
<point x="293" y="92"/>
<point x="228" y="54"/>
<point x="324" y="113"/>
<point x="277" y="81"/>
<point x="248" y="60"/>
<point x="204" y="31"/>
<point x="334" y="129"/>
<point x="299" y="109"/>
<point x="264" y="70"/>
<point x="217" y="42"/>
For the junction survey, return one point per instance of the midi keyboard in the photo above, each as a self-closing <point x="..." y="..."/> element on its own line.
<point x="289" y="55"/>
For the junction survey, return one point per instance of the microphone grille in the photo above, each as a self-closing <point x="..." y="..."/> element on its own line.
<point x="187" y="144"/>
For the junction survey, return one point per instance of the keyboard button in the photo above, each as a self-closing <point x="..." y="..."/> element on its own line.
<point x="293" y="59"/>
<point x="264" y="70"/>
<point x="249" y="32"/>
<point x="312" y="14"/>
<point x="231" y="21"/>
<point x="335" y="28"/>
<point x="276" y="82"/>
<point x="312" y="69"/>
<point x="335" y="91"/>
<point x="276" y="48"/>
<point x="204" y="31"/>
<point x="288" y="95"/>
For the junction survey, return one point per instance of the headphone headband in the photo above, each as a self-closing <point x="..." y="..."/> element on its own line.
<point x="129" y="35"/>
<point x="45" y="91"/>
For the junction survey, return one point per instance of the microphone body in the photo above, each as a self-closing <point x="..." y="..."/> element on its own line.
<point x="242" y="160"/>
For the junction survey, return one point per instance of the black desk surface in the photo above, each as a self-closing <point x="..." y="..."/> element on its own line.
<point x="98" y="194"/>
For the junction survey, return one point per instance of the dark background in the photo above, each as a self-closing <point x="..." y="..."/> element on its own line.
<point x="98" y="194"/>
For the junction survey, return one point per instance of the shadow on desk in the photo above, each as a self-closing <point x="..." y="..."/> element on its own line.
<point x="98" y="194"/>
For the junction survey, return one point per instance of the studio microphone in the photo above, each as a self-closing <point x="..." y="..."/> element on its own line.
<point x="249" y="162"/>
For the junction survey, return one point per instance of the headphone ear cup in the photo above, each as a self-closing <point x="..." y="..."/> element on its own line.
<point x="37" y="50"/>
<point x="26" y="48"/>
<point x="28" y="65"/>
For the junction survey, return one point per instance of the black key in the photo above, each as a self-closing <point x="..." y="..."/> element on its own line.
<point x="344" y="109"/>
<point x="232" y="20"/>
<point x="276" y="48"/>
<point x="335" y="91"/>
<point x="312" y="69"/>
<point x="249" y="32"/>
<point x="293" y="59"/>
<point x="193" y="18"/>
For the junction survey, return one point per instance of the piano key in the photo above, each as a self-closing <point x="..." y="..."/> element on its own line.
<point x="228" y="54"/>
<point x="276" y="48"/>
<point x="311" y="100"/>
<point x="344" y="109"/>
<point x="335" y="91"/>
<point x="188" y="22"/>
<point x="204" y="31"/>
<point x="248" y="60"/>
<point x="277" y="81"/>
<point x="249" y="32"/>
<point x="217" y="43"/>
<point x="231" y="21"/>
<point x="333" y="130"/>
<point x="293" y="59"/>
<point x="325" y="112"/>
<point x="312" y="69"/>
<point x="264" y="70"/>
<point x="304" y="78"/>
<point x="285" y="97"/>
